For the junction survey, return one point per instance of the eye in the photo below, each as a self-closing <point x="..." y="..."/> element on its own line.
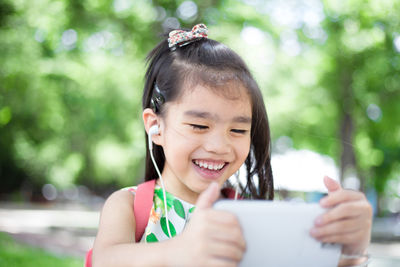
<point x="239" y="131"/>
<point x="198" y="126"/>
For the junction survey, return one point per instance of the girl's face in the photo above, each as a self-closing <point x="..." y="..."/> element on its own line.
<point x="206" y="138"/>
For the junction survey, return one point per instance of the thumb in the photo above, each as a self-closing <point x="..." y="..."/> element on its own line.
<point x="331" y="184"/>
<point x="208" y="196"/>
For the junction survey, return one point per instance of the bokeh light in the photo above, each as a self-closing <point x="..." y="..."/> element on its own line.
<point x="187" y="11"/>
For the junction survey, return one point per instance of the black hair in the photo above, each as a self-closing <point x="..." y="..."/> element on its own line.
<point x="211" y="63"/>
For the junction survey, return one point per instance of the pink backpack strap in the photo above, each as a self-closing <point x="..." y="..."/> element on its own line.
<point x="88" y="259"/>
<point x="142" y="206"/>
<point x="141" y="209"/>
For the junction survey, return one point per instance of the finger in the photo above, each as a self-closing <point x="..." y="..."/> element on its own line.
<point x="233" y="236"/>
<point x="226" y="251"/>
<point x="337" y="228"/>
<point x="220" y="262"/>
<point x="223" y="225"/>
<point x="341" y="196"/>
<point x="345" y="238"/>
<point x="331" y="184"/>
<point x="345" y="210"/>
<point x="208" y="197"/>
<point x="221" y="217"/>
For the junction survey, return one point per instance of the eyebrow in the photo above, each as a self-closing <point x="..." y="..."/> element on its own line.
<point x="208" y="115"/>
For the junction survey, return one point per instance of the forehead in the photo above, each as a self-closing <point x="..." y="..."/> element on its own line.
<point x="226" y="102"/>
<point x="222" y="81"/>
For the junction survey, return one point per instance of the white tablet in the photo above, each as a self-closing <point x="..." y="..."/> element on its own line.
<point x="277" y="233"/>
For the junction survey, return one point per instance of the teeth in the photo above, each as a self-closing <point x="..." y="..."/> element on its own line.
<point x="209" y="166"/>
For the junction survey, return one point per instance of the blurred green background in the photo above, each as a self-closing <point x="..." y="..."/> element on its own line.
<point x="71" y="78"/>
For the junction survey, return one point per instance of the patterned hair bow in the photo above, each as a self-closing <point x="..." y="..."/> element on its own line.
<point x="181" y="38"/>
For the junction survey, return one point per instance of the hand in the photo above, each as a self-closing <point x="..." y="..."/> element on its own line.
<point x="211" y="238"/>
<point x="349" y="220"/>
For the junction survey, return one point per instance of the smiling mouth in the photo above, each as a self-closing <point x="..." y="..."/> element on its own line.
<point x="209" y="165"/>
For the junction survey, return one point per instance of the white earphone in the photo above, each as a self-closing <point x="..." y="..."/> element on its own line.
<point x="152" y="131"/>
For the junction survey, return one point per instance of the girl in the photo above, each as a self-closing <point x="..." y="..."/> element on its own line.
<point x="210" y="119"/>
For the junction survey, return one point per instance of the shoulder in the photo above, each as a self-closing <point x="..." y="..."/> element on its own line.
<point x="131" y="189"/>
<point x="117" y="220"/>
<point x="121" y="200"/>
<point x="118" y="204"/>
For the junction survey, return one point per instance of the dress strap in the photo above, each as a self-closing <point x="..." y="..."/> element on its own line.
<point x="229" y="193"/>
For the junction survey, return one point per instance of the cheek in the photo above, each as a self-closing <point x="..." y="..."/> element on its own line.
<point x="243" y="149"/>
<point x="180" y="145"/>
<point x="182" y="136"/>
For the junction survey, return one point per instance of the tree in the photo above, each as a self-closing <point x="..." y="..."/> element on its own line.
<point x="71" y="75"/>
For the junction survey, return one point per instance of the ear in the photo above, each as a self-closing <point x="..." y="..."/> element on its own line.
<point x="150" y="119"/>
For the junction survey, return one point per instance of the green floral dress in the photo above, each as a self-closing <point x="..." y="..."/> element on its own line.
<point x="179" y="213"/>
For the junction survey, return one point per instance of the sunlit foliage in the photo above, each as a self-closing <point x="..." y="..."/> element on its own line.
<point x="71" y="75"/>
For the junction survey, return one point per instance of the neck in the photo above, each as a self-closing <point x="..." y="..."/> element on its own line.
<point x="177" y="188"/>
<point x="190" y="197"/>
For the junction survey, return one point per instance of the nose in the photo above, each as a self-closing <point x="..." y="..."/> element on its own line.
<point x="218" y="143"/>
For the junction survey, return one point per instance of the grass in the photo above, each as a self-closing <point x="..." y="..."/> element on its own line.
<point x="14" y="254"/>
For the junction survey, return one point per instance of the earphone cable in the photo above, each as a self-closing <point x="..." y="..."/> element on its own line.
<point x="163" y="189"/>
<point x="237" y="184"/>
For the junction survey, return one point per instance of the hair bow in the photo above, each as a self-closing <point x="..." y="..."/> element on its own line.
<point x="181" y="38"/>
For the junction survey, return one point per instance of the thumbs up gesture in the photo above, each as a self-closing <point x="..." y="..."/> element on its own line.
<point x="212" y="237"/>
<point x="208" y="197"/>
<point x="348" y="221"/>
